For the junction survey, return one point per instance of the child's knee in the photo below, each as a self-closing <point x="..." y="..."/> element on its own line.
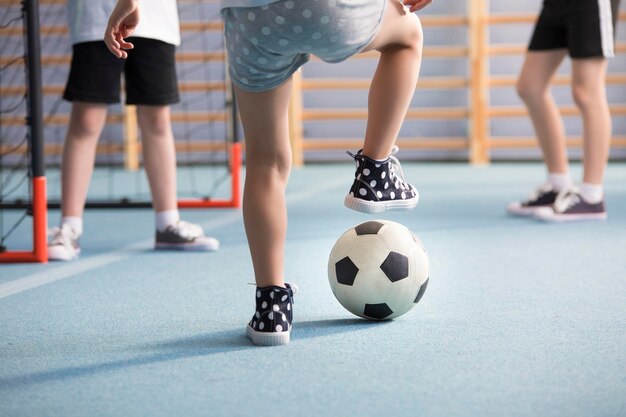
<point x="407" y="33"/>
<point x="523" y="89"/>
<point x="586" y="95"/>
<point x="415" y="35"/>
<point x="400" y="29"/>
<point x="527" y="90"/>
<point x="83" y="129"/>
<point x="271" y="162"/>
<point x="154" y="120"/>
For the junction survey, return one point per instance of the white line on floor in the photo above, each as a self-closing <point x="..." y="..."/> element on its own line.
<point x="80" y="266"/>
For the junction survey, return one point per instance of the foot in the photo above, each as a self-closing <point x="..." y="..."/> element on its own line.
<point x="571" y="206"/>
<point x="271" y="323"/>
<point x="185" y="236"/>
<point x="542" y="197"/>
<point x="379" y="186"/>
<point x="63" y="244"/>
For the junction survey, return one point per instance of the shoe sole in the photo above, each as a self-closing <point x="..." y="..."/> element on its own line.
<point x="524" y="211"/>
<point x="267" y="338"/>
<point x="373" y="207"/>
<point x="54" y="255"/>
<point x="564" y="218"/>
<point x="187" y="247"/>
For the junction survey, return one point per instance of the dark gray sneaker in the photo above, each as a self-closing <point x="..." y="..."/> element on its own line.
<point x="185" y="236"/>
<point x="271" y="323"/>
<point x="542" y="197"/>
<point x="571" y="206"/>
<point x="379" y="186"/>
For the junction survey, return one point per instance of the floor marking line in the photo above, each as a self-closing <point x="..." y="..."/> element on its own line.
<point x="80" y="266"/>
<point x="74" y="268"/>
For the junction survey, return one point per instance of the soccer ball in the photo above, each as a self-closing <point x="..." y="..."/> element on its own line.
<point x="378" y="270"/>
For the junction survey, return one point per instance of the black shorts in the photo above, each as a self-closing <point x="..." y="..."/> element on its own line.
<point x="586" y="28"/>
<point x="149" y="73"/>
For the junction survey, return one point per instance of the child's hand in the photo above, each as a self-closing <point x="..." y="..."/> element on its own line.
<point x="122" y="24"/>
<point x="415" y="5"/>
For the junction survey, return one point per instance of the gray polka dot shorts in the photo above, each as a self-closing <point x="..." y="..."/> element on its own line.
<point x="267" y="44"/>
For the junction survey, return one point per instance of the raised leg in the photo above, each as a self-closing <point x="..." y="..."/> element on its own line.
<point x="400" y="45"/>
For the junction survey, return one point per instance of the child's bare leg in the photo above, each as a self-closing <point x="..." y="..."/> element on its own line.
<point x="159" y="155"/>
<point x="268" y="161"/>
<point x="588" y="88"/>
<point x="400" y="44"/>
<point x="533" y="87"/>
<point x="79" y="154"/>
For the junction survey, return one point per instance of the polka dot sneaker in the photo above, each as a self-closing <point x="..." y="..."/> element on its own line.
<point x="271" y="323"/>
<point x="379" y="186"/>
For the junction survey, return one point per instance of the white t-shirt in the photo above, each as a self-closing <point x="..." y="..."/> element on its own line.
<point x="158" y="20"/>
<point x="244" y="3"/>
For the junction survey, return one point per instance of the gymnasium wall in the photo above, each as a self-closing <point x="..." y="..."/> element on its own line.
<point x="439" y="125"/>
<point x="441" y="137"/>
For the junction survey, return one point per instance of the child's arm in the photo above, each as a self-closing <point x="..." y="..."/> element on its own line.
<point x="122" y="24"/>
<point x="415" y="5"/>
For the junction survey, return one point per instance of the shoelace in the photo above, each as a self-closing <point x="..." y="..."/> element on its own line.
<point x="566" y="199"/>
<point x="188" y="230"/>
<point x="395" y="169"/>
<point x="293" y="290"/>
<point x="62" y="235"/>
<point x="536" y="195"/>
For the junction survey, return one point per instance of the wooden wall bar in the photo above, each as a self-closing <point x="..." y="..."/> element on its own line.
<point x="478" y="113"/>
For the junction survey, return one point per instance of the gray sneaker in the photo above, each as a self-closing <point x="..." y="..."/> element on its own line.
<point x="571" y="206"/>
<point x="542" y="198"/>
<point x="185" y="236"/>
<point x="63" y="244"/>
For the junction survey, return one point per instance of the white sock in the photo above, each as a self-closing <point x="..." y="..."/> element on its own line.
<point x="166" y="218"/>
<point x="592" y="193"/>
<point x="559" y="181"/>
<point x="76" y="223"/>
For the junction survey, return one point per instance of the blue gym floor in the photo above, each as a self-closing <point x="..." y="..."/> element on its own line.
<point x="520" y="318"/>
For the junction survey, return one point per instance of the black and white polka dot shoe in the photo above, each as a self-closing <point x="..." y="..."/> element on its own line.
<point x="271" y="323"/>
<point x="379" y="186"/>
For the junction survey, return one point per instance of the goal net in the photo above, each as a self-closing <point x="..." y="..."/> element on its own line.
<point x="204" y="122"/>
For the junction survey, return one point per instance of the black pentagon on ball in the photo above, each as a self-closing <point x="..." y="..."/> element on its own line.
<point x="346" y="271"/>
<point x="368" y="228"/>
<point x="421" y="292"/>
<point x="377" y="311"/>
<point x="395" y="266"/>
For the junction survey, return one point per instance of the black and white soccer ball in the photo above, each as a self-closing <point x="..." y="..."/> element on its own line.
<point x="378" y="270"/>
